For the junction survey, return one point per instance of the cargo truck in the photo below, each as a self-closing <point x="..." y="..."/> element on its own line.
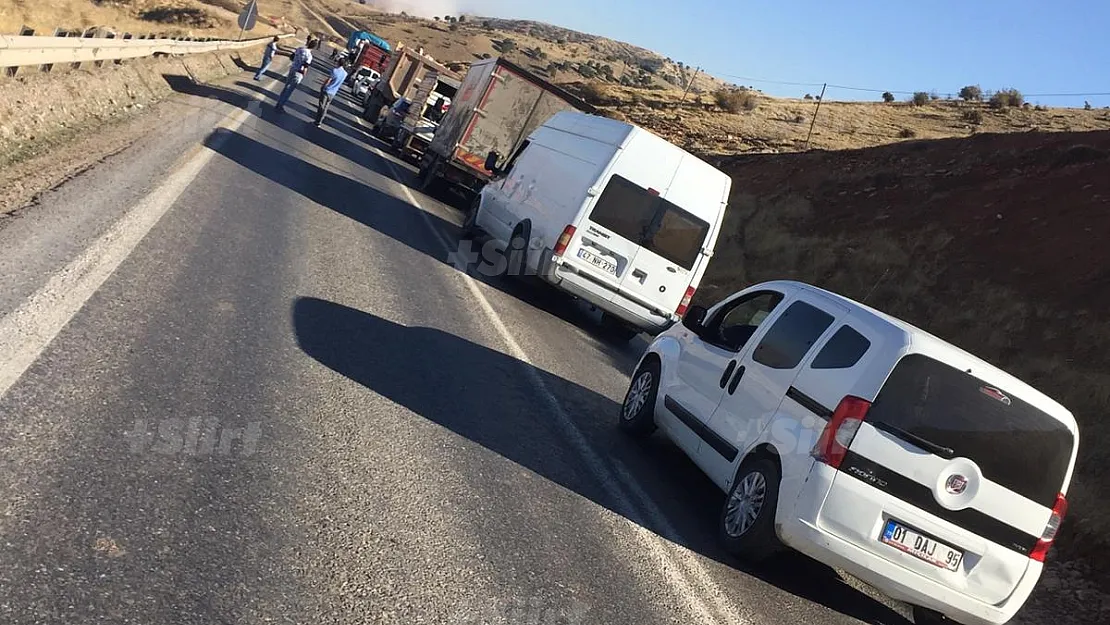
<point x="498" y="105"/>
<point x="403" y="75"/>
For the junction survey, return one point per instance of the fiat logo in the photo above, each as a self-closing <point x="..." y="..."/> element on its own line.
<point x="955" y="484"/>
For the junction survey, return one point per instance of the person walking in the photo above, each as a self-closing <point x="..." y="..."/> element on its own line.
<point x="267" y="58"/>
<point x="302" y="58"/>
<point x="329" y="89"/>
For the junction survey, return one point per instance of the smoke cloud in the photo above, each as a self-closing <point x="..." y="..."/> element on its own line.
<point x="425" y="8"/>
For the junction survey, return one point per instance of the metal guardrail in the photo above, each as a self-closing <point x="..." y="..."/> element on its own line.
<point x="22" y="50"/>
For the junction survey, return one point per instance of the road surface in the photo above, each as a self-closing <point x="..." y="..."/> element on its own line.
<point x="244" y="379"/>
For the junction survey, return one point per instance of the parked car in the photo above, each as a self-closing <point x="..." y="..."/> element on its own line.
<point x="608" y="212"/>
<point x="361" y="82"/>
<point x="865" y="443"/>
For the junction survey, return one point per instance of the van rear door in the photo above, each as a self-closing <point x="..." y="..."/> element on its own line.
<point x="951" y="477"/>
<point x="648" y="246"/>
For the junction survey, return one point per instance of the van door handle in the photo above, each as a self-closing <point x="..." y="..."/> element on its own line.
<point x="728" y="372"/>
<point x="672" y="270"/>
<point x="735" y="380"/>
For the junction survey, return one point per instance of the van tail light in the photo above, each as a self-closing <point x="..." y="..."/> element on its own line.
<point x="1058" y="511"/>
<point x="685" y="303"/>
<point x="564" y="240"/>
<point x="840" y="431"/>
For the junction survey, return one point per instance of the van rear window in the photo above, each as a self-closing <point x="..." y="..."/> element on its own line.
<point x="1016" y="445"/>
<point x="651" y="222"/>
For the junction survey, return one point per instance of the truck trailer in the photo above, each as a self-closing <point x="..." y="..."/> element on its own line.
<point x="498" y="104"/>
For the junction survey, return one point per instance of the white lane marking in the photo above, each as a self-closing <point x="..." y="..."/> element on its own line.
<point x="26" y="332"/>
<point x="711" y="604"/>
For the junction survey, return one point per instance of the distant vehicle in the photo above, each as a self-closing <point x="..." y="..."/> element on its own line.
<point x="361" y="81"/>
<point x="401" y="128"/>
<point x="498" y="105"/>
<point x="418" y="125"/>
<point x="609" y="213"/>
<point x="865" y="443"/>
<point x="368" y="50"/>
<point x="403" y="75"/>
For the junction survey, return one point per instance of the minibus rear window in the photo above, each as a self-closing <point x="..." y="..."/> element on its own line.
<point x="1016" y="445"/>
<point x="649" y="221"/>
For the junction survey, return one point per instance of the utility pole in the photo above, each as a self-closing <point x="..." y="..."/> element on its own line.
<point x="820" y="99"/>
<point x="689" y="84"/>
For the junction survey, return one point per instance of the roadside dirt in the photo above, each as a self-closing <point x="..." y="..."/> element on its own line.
<point x="57" y="125"/>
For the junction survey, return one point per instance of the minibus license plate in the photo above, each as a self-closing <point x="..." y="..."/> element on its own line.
<point x="920" y="546"/>
<point x="598" y="261"/>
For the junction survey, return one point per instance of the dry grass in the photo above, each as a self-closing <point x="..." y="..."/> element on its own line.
<point x="190" y="18"/>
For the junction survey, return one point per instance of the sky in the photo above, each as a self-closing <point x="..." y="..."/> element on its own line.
<point x="1036" y="46"/>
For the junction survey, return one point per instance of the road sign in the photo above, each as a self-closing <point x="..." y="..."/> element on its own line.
<point x="249" y="16"/>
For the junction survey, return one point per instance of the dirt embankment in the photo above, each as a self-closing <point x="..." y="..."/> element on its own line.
<point x="54" y="124"/>
<point x="995" y="243"/>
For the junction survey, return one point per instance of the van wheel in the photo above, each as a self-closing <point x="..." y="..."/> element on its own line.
<point x="516" y="253"/>
<point x="747" y="524"/>
<point x="637" y="417"/>
<point x="617" y="328"/>
<point x="925" y="616"/>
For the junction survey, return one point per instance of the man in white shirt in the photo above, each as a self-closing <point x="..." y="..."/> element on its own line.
<point x="302" y="58"/>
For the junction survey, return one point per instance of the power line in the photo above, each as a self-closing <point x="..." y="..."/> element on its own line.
<point x="871" y="90"/>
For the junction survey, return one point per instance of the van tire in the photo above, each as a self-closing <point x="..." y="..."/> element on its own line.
<point x="641" y="422"/>
<point x="758" y="541"/>
<point x="617" y="328"/>
<point x="516" y="252"/>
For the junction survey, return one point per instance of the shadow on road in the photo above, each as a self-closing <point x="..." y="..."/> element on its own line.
<point x="484" y="396"/>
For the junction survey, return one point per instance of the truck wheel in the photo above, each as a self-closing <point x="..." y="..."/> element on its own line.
<point x="747" y="522"/>
<point x="617" y="328"/>
<point x="429" y="176"/>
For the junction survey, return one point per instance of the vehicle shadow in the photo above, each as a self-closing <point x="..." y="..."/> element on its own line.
<point x="484" y="396"/>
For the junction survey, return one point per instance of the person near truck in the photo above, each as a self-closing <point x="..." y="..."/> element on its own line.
<point x="302" y="58"/>
<point x="267" y="58"/>
<point x="328" y="89"/>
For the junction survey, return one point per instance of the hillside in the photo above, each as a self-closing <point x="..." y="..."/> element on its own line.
<point x="627" y="81"/>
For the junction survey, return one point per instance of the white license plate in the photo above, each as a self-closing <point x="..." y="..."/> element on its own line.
<point x="920" y="546"/>
<point x="598" y="261"/>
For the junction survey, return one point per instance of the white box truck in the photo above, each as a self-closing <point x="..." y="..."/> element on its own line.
<point x="498" y="105"/>
<point x="607" y="212"/>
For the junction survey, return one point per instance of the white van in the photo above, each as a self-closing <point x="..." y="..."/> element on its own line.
<point x="608" y="212"/>
<point x="865" y="443"/>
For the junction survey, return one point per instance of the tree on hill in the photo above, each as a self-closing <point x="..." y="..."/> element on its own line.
<point x="888" y="97"/>
<point x="971" y="93"/>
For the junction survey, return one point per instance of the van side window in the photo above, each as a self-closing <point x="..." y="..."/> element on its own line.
<point x="736" y="323"/>
<point x="843" y="350"/>
<point x="792" y="336"/>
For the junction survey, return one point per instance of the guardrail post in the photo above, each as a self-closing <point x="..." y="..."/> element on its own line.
<point x="25" y="31"/>
<point x="125" y="37"/>
<point x="83" y="34"/>
<point x="103" y="33"/>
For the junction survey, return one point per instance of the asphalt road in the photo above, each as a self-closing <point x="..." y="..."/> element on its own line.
<point x="242" y="381"/>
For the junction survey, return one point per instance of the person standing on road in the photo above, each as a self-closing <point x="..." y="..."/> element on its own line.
<point x="328" y="90"/>
<point x="302" y="58"/>
<point x="267" y="58"/>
